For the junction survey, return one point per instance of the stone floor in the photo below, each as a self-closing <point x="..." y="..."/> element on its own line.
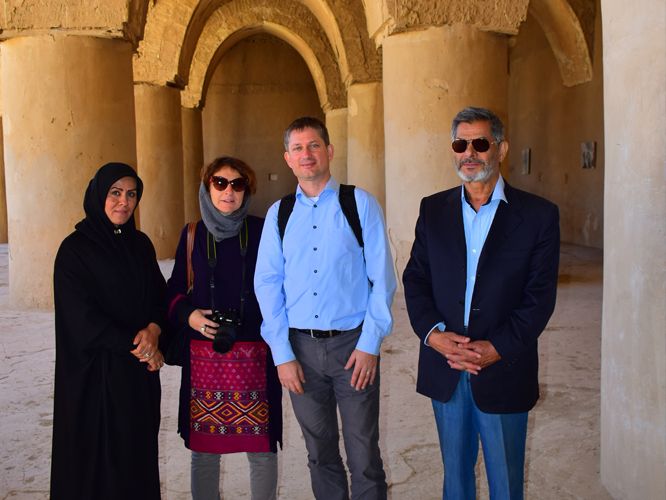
<point x="563" y="432"/>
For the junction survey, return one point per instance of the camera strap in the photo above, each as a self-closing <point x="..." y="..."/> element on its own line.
<point x="211" y="253"/>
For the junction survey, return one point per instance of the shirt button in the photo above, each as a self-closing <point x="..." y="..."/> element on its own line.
<point x="315" y="294"/>
<point x="315" y="205"/>
<point x="314" y="227"/>
<point x="473" y="250"/>
<point x="315" y="271"/>
<point x="315" y="249"/>
<point x="316" y="315"/>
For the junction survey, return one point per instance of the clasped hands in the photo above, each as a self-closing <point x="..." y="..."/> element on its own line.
<point x="462" y="353"/>
<point x="147" y="350"/>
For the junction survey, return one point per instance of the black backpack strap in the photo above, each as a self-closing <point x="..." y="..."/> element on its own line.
<point x="347" y="203"/>
<point x="350" y="210"/>
<point x="284" y="211"/>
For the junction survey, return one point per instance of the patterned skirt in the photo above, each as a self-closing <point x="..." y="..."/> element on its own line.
<point x="228" y="398"/>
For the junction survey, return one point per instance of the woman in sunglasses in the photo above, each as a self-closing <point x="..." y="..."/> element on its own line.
<point x="230" y="396"/>
<point x="109" y="311"/>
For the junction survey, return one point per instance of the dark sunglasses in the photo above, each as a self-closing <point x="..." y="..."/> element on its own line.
<point x="220" y="183"/>
<point x="480" y="145"/>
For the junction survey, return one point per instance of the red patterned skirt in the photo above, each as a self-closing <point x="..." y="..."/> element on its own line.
<point x="228" y="398"/>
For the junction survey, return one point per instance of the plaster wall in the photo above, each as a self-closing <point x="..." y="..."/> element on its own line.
<point x="192" y="162"/>
<point x="552" y="121"/>
<point x="427" y="80"/>
<point x="159" y="143"/>
<point x="365" y="153"/>
<point x="68" y="107"/>
<point x="336" y="124"/>
<point x="260" y="86"/>
<point x="633" y="344"/>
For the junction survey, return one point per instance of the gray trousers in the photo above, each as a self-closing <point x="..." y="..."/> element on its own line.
<point x="206" y="476"/>
<point x="327" y="386"/>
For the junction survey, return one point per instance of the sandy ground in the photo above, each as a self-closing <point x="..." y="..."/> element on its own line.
<point x="563" y="431"/>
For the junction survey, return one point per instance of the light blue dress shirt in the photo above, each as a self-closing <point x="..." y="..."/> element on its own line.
<point x="318" y="277"/>
<point x="477" y="225"/>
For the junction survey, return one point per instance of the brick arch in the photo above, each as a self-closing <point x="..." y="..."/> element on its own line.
<point x="296" y="26"/>
<point x="566" y="37"/>
<point x="345" y="25"/>
<point x="335" y="31"/>
<point x="342" y="21"/>
<point x="196" y="98"/>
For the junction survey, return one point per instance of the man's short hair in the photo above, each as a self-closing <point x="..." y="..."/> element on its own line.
<point x="472" y="114"/>
<point x="306" y="122"/>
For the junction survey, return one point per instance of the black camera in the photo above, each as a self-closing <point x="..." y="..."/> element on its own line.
<point x="228" y="330"/>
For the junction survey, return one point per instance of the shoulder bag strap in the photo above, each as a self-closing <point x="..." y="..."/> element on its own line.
<point x="191" y="228"/>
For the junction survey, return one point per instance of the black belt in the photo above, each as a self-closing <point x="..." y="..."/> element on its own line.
<point x="325" y="334"/>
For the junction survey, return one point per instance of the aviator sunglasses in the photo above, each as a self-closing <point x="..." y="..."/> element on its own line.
<point x="220" y="183"/>
<point x="480" y="145"/>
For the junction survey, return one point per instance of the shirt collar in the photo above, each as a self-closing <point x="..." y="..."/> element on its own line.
<point x="498" y="192"/>
<point x="332" y="185"/>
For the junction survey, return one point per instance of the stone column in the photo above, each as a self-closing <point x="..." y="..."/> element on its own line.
<point x="192" y="161"/>
<point x="633" y="344"/>
<point x="3" y="198"/>
<point x="336" y="123"/>
<point x="428" y="77"/>
<point x="159" y="143"/>
<point x="68" y="107"/>
<point x="365" y="144"/>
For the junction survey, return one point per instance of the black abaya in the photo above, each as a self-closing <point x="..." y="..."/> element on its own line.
<point x="107" y="287"/>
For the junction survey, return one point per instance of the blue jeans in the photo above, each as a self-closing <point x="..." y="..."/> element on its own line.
<point x="459" y="425"/>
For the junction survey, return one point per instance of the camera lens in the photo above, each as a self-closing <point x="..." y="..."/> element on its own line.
<point x="222" y="343"/>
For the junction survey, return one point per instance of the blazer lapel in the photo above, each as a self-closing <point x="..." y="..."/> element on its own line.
<point x="507" y="219"/>
<point x="452" y="219"/>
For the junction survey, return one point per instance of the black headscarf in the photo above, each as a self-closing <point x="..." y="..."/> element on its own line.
<point x="97" y="225"/>
<point x="117" y="240"/>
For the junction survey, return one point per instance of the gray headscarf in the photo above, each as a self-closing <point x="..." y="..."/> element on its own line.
<point x="221" y="226"/>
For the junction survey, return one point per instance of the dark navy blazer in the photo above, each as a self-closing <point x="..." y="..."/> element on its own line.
<point x="514" y="294"/>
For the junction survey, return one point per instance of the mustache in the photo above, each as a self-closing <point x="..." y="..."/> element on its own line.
<point x="465" y="161"/>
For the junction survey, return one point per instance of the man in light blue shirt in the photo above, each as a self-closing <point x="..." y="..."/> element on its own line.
<point x="326" y="304"/>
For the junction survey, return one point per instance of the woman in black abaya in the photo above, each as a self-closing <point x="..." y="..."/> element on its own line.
<point x="109" y="311"/>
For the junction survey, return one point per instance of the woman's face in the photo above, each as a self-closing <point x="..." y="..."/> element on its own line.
<point x="227" y="200"/>
<point x="121" y="200"/>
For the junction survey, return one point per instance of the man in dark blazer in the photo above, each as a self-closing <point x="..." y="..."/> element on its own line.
<point x="480" y="287"/>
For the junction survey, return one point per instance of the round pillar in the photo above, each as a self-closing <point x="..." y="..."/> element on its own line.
<point x="428" y="77"/>
<point x="336" y="123"/>
<point x="159" y="144"/>
<point x="633" y="344"/>
<point x="3" y="198"/>
<point x="365" y="142"/>
<point x="192" y="162"/>
<point x="68" y="107"/>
